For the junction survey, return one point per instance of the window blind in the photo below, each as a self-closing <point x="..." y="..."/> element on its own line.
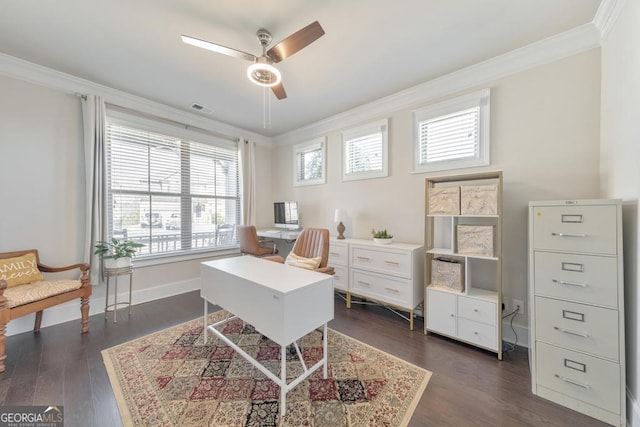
<point x="171" y="194"/>
<point x="364" y="153"/>
<point x="450" y="137"/>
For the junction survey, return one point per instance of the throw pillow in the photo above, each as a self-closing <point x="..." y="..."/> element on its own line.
<point x="20" y="270"/>
<point x="302" y="262"/>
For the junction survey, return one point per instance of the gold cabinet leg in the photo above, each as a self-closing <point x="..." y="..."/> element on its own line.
<point x="411" y="320"/>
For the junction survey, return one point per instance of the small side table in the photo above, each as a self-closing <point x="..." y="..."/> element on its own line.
<point x="115" y="272"/>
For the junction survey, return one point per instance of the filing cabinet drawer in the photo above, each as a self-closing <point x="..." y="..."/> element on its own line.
<point x="579" y="327"/>
<point x="341" y="278"/>
<point x="477" y="310"/>
<point x="441" y="312"/>
<point x="588" y="228"/>
<point x="338" y="254"/>
<point x="580" y="376"/>
<point x="393" y="290"/>
<point x="387" y="261"/>
<point x="582" y="278"/>
<point x="477" y="333"/>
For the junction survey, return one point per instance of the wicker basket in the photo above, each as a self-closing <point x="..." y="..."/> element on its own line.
<point x="447" y="274"/>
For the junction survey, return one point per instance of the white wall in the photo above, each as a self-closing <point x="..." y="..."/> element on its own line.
<point x="620" y="166"/>
<point x="544" y="136"/>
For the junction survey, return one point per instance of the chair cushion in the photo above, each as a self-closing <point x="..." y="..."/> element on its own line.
<point x="302" y="262"/>
<point x="36" y="291"/>
<point x="20" y="270"/>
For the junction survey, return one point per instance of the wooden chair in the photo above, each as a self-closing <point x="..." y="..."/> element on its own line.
<point x="251" y="245"/>
<point x="24" y="290"/>
<point x="311" y="243"/>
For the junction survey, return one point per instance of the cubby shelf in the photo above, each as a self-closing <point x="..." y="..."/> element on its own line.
<point x="473" y="315"/>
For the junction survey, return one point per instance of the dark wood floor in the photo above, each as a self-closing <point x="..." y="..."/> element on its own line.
<point x="469" y="387"/>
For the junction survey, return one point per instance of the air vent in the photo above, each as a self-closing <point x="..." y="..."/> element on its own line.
<point x="201" y="109"/>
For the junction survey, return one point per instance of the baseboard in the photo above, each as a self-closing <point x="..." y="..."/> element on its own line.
<point x="633" y="410"/>
<point x="71" y="310"/>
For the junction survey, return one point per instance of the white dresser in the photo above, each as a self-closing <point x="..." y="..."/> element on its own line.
<point x="389" y="274"/>
<point x="576" y="300"/>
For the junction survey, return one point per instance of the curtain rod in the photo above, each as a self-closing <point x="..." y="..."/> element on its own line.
<point x="169" y="121"/>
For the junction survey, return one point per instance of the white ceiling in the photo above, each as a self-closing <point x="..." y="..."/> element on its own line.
<point x="371" y="49"/>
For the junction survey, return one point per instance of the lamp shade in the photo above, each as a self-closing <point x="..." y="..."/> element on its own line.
<point x="338" y="216"/>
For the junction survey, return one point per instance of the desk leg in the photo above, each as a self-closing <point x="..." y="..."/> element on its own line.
<point x="204" y="319"/>
<point x="283" y="379"/>
<point x="325" y="347"/>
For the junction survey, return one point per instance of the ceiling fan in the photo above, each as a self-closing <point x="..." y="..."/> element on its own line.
<point x="262" y="72"/>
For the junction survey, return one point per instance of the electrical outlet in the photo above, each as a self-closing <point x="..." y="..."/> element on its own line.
<point x="519" y="303"/>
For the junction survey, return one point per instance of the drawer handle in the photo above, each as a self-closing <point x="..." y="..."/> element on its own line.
<point x="334" y="253"/>
<point x="392" y="262"/>
<point x="475" y="310"/>
<point x="335" y="276"/>
<point x="564" y="282"/>
<point x="569" y="235"/>
<point x="574" y="382"/>
<point x="364" y="283"/>
<point x="475" y="333"/>
<point x="363" y="258"/>
<point x="452" y="315"/>
<point x="571" y="332"/>
<point x="392" y="290"/>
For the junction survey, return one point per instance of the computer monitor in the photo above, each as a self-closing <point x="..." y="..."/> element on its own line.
<point x="285" y="215"/>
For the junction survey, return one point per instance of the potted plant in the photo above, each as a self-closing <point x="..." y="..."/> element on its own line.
<point x="382" y="237"/>
<point x="117" y="253"/>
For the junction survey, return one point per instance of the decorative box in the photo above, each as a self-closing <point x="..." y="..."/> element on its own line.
<point x="479" y="199"/>
<point x="444" y="201"/>
<point x="448" y="274"/>
<point x="475" y="240"/>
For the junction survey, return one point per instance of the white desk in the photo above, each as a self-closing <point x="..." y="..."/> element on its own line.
<point x="279" y="234"/>
<point x="281" y="302"/>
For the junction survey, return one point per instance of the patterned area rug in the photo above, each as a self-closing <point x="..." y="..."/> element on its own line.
<point x="171" y="378"/>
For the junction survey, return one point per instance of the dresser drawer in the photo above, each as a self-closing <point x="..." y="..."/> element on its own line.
<point x="338" y="254"/>
<point x="387" y="261"/>
<point x="477" y="310"/>
<point x="341" y="278"/>
<point x="581" y="278"/>
<point x="580" y="327"/>
<point x="579" y="376"/>
<point x="441" y="312"/>
<point x="392" y="290"/>
<point x="477" y="333"/>
<point x="589" y="229"/>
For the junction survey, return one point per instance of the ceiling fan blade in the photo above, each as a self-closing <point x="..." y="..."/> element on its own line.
<point x="218" y="48"/>
<point x="278" y="91"/>
<point x="295" y="42"/>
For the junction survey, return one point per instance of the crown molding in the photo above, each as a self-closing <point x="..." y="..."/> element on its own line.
<point x="607" y="15"/>
<point x="52" y="79"/>
<point x="568" y="43"/>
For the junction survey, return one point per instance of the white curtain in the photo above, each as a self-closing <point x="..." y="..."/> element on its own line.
<point x="94" y="120"/>
<point x="248" y="162"/>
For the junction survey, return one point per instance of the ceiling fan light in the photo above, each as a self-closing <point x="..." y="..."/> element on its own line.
<point x="264" y="74"/>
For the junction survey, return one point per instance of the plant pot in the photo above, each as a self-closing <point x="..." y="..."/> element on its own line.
<point x="378" y="241"/>
<point x="113" y="263"/>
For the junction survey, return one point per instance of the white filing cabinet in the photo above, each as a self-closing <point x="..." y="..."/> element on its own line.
<point x="576" y="300"/>
<point x="389" y="274"/>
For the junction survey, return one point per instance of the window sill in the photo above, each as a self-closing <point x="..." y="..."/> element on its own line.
<point x="151" y="260"/>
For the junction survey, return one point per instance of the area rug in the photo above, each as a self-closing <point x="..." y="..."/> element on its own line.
<point x="171" y="378"/>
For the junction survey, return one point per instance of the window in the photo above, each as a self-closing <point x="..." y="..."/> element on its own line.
<point x="173" y="194"/>
<point x="364" y="151"/>
<point x="453" y="134"/>
<point x="309" y="163"/>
